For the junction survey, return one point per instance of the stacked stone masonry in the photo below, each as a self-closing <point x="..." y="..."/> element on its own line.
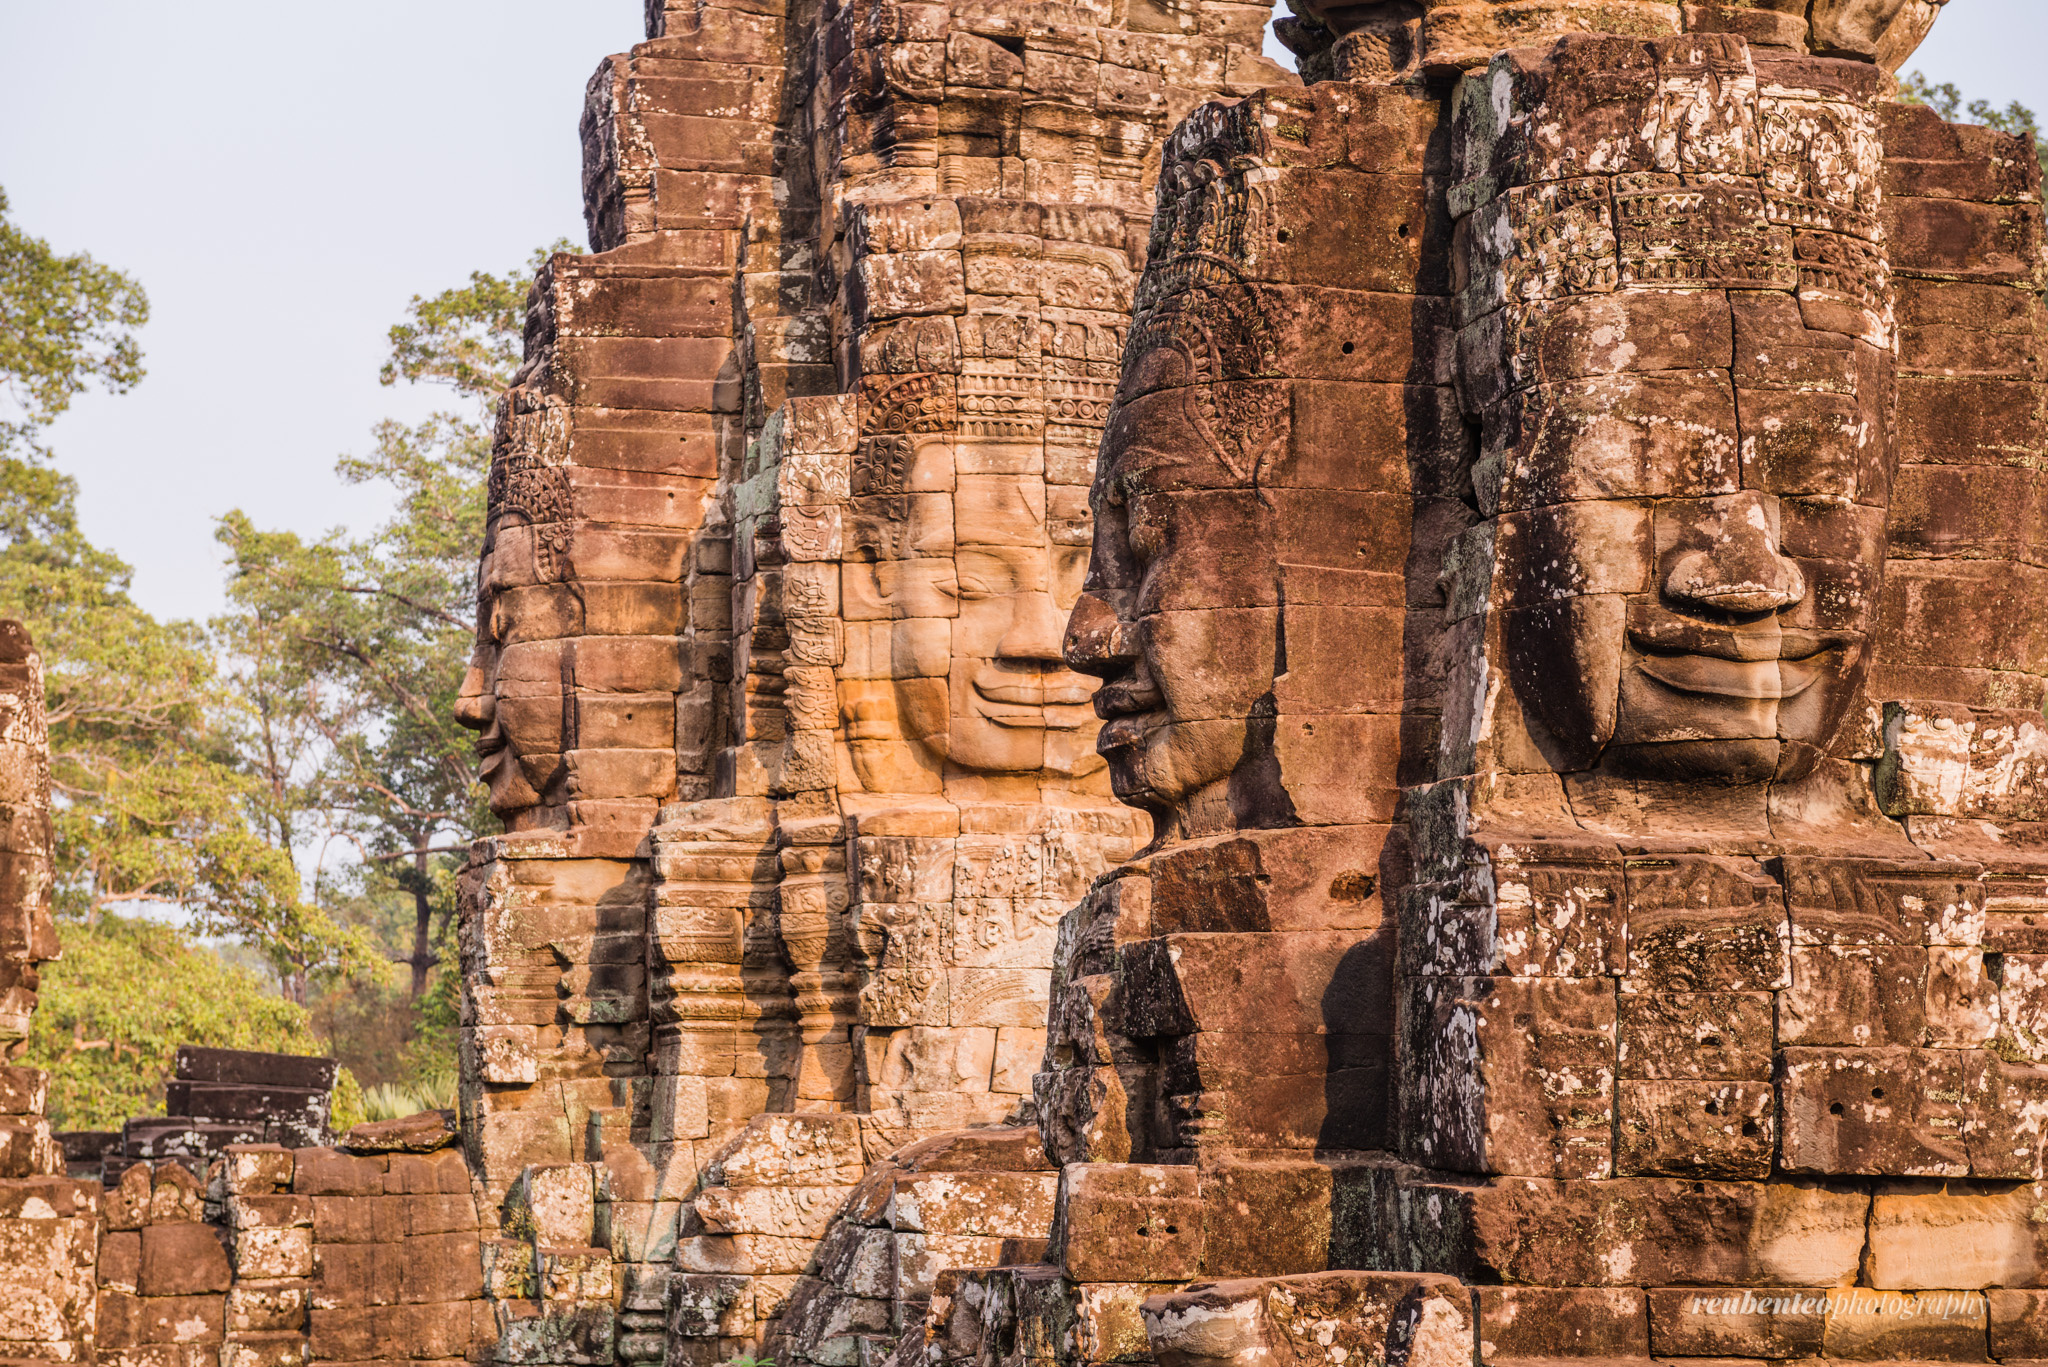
<point x="1151" y="714"/>
<point x="789" y="507"/>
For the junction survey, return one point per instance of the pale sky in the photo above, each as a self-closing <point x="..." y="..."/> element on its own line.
<point x="283" y="177"/>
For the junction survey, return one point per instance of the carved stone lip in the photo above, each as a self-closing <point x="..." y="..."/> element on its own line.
<point x="1713" y="676"/>
<point x="1130" y="693"/>
<point x="1126" y="732"/>
<point x="1044" y="694"/>
<point x="1673" y="637"/>
<point x="1051" y="705"/>
<point x="1670" y="635"/>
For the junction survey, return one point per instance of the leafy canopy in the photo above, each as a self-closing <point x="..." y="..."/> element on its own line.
<point x="126" y="994"/>
<point x="65" y="322"/>
<point x="366" y="638"/>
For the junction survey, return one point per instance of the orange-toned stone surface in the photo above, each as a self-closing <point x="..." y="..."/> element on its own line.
<point x="1152" y="714"/>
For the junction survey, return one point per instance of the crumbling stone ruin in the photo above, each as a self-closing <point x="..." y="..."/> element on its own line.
<point x="1545" y="512"/>
<point x="215" y="1098"/>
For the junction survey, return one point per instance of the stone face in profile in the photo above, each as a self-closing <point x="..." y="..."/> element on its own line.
<point x="1253" y="516"/>
<point x="28" y="931"/>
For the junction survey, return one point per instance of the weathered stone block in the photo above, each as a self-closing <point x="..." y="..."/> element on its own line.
<point x="183" y="1260"/>
<point x="1128" y="1223"/>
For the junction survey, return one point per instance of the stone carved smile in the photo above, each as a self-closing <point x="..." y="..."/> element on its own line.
<point x="1057" y="702"/>
<point x="1710" y="675"/>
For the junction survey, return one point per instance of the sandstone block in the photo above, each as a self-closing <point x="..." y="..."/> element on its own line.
<point x="1927" y="1325"/>
<point x="120" y="1261"/>
<point x="1891" y="1112"/>
<point x="2016" y="1322"/>
<point x="1550" y="1322"/>
<point x="258" y="1169"/>
<point x="1128" y="1223"/>
<point x="327" y="1172"/>
<point x="267" y="1252"/>
<point x="1324" y="1318"/>
<point x="1965" y="1240"/>
<point x="1765" y="1322"/>
<point x="182" y="1260"/>
<point x="1724" y="1130"/>
<point x="257" y="1307"/>
<point x="987" y="1204"/>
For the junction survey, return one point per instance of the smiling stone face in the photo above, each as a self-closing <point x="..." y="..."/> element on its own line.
<point x="1006" y="703"/>
<point x="1683" y="372"/>
<point x="961" y="562"/>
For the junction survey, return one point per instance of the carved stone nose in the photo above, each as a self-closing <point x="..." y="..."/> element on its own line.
<point x="1744" y="575"/>
<point x="1094" y="641"/>
<point x="1728" y="559"/>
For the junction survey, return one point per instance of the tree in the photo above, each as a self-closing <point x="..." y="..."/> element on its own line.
<point x="1946" y="100"/>
<point x="65" y="322"/>
<point x="379" y="628"/>
<point x="151" y="801"/>
<point x="108" y="1047"/>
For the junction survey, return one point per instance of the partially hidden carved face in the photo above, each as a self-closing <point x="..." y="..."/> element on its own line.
<point x="513" y="694"/>
<point x="976" y="580"/>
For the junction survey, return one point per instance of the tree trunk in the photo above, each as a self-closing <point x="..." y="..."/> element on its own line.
<point x="423" y="957"/>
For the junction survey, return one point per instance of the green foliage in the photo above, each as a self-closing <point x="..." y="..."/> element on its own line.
<point x="65" y="322"/>
<point x="469" y="337"/>
<point x="437" y="1029"/>
<point x="126" y="994"/>
<point x="216" y="768"/>
<point x="154" y="801"/>
<point x="345" y="1109"/>
<point x="371" y="635"/>
<point x="1946" y="100"/>
<point x="395" y="1101"/>
<point x="368" y="1021"/>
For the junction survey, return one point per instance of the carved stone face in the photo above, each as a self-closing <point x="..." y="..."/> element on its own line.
<point x="1179" y="618"/>
<point x="1688" y="462"/>
<point x="513" y="693"/>
<point x="1007" y="703"/>
<point x="1705" y="595"/>
<point x="977" y="580"/>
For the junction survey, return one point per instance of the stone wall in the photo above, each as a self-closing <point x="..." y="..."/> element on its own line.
<point x="788" y="510"/>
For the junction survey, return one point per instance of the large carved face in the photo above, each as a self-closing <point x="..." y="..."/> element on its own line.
<point x="1687" y="460"/>
<point x="513" y="694"/>
<point x="976" y="581"/>
<point x="1180" y="615"/>
<point x="1007" y="702"/>
<point x="1690" y="563"/>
